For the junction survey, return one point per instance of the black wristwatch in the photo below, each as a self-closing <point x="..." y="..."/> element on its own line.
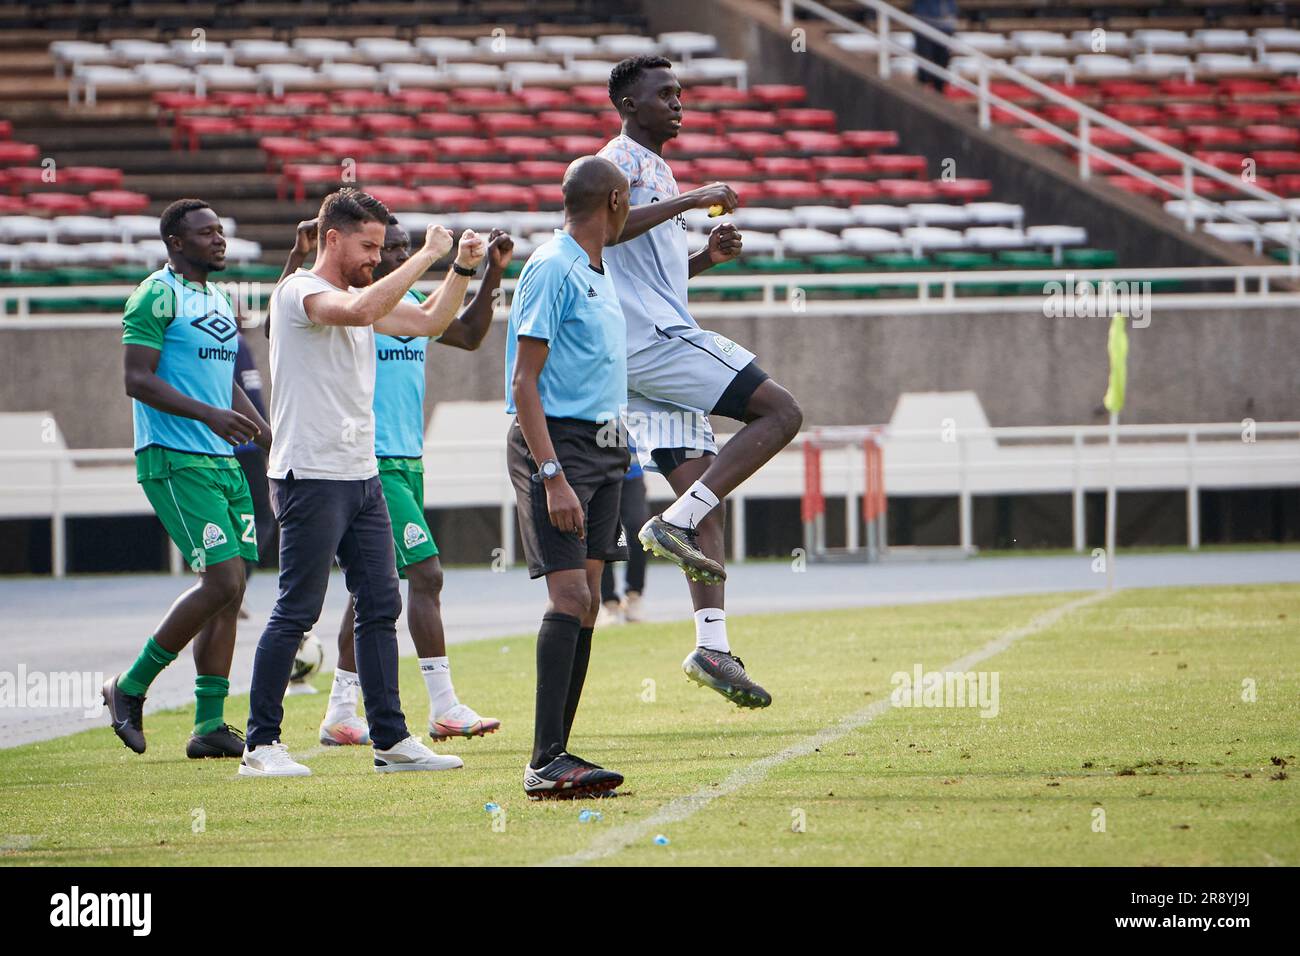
<point x="461" y="270"/>
<point x="547" y="470"/>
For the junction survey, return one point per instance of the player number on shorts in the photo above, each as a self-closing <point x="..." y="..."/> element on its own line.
<point x="250" y="529"/>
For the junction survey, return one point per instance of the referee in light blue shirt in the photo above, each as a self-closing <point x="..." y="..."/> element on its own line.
<point x="566" y="383"/>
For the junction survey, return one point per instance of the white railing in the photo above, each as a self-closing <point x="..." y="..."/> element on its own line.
<point x="1087" y="116"/>
<point x="965" y="463"/>
<point x="1243" y="287"/>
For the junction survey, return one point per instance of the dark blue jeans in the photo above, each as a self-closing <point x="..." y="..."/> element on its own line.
<point x="320" y="520"/>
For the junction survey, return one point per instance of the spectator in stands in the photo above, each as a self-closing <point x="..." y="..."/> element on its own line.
<point x="942" y="15"/>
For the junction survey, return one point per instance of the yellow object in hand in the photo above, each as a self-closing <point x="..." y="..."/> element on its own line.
<point x="715" y="210"/>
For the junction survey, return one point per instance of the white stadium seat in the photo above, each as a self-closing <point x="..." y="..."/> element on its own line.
<point x="278" y="77"/>
<point x="444" y="49"/>
<point x="1223" y="39"/>
<point x="1162" y="41"/>
<point x="896" y="217"/>
<point x="761" y="217"/>
<point x="1052" y="67"/>
<point x="567" y="46"/>
<point x="822" y="217"/>
<point x="1043" y="42"/>
<point x="19" y="229"/>
<point x="995" y="213"/>
<point x="382" y="50"/>
<point x="350" y="75"/>
<point x="808" y="242"/>
<point x="186" y="51"/>
<point x="141" y="51"/>
<point x="870" y="43"/>
<point x="921" y="238"/>
<point x="623" y="45"/>
<point x="992" y="44"/>
<point x="685" y="44"/>
<point x="1102" y="64"/>
<point x="324" y="49"/>
<point x="938" y="214"/>
<point x="1114" y="41"/>
<point x="264" y="51"/>
<point x="1163" y="64"/>
<point x="1225" y="63"/>
<point x="996" y="237"/>
<point x="397" y="76"/>
<point x="871" y="239"/>
<point x="87" y="228"/>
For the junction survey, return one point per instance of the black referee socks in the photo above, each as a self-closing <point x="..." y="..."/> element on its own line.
<point x="557" y="646"/>
<point x="578" y="676"/>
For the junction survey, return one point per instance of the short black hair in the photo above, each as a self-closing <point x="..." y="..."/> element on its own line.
<point x="627" y="72"/>
<point x="169" y="223"/>
<point x="348" y="208"/>
<point x="392" y="221"/>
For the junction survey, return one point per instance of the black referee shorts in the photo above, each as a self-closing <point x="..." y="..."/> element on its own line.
<point x="596" y="476"/>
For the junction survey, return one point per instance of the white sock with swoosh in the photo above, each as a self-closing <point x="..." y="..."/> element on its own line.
<point x="691" y="508"/>
<point x="711" y="629"/>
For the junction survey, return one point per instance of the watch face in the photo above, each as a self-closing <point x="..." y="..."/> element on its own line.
<point x="550" y="469"/>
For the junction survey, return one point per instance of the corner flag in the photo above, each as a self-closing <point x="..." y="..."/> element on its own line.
<point x="1117" y="346"/>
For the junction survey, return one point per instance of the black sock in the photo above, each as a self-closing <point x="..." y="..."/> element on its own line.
<point x="556" y="643"/>
<point x="581" y="655"/>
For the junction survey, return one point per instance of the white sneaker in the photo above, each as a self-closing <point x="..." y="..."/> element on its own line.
<point x="632" y="608"/>
<point x="341" y="733"/>
<point x="271" y="760"/>
<point x="609" y="615"/>
<point x="411" y="754"/>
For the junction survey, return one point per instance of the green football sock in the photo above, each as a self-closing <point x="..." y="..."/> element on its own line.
<point x="147" y="666"/>
<point x="209" y="702"/>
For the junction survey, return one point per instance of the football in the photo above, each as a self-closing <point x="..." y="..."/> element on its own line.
<point x="309" y="658"/>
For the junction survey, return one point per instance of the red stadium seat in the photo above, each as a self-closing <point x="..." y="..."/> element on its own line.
<point x="241" y="100"/>
<point x="1253" y="112"/>
<point x="788" y="167"/>
<point x="350" y="147"/>
<point x="1219" y="159"/>
<point x="1234" y="87"/>
<point x="482" y="99"/>
<point x="1213" y="136"/>
<point x="1288" y="185"/>
<point x="814" y="141"/>
<point x="905" y="190"/>
<point x="1061" y="116"/>
<point x="60" y="204"/>
<point x="859" y="166"/>
<point x="329" y="123"/>
<point x="524" y="146"/>
<point x="189" y="128"/>
<point x="499" y="124"/>
<point x="548" y="195"/>
<point x="963" y="189"/>
<point x="24" y="178"/>
<point x="262" y="123"/>
<point x="894" y="165"/>
<point x="1108" y="138"/>
<point x="383" y="124"/>
<point x="714" y="169"/>
<point x="1165" y="134"/>
<point x="1154" y="162"/>
<point x="303" y="101"/>
<point x="1184" y="90"/>
<point x="1132" y="184"/>
<point x="357" y="101"/>
<point x="572" y="122"/>
<point x="1037" y="136"/>
<point x="735" y="120"/>
<point x="422" y="99"/>
<point x="488" y="172"/>
<point x="102" y="177"/>
<point x="575" y="146"/>
<point x="461" y="147"/>
<point x="869" y="140"/>
<point x="543" y="98"/>
<point x="283" y="149"/>
<point x="11" y="205"/>
<point x="541" y="170"/>
<point x="714" y="97"/>
<point x="778" y="94"/>
<point x="505" y="196"/>
<point x="436" y="173"/>
<point x="592" y="97"/>
<point x="1192" y="112"/>
<point x="455" y="198"/>
<point x="398" y="197"/>
<point x="1132" y="113"/>
<point x="1277" y="160"/>
<point x="805" y="118"/>
<point x="119" y="202"/>
<point x="1013" y="92"/>
<point x="380" y="173"/>
<point x="405" y="147"/>
<point x="850" y="190"/>
<point x="296" y="176"/>
<point x="448" y="124"/>
<point x="1123" y="90"/>
<point x="750" y="144"/>
<point x="1273" y="135"/>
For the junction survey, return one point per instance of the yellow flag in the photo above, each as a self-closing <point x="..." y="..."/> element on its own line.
<point x="1117" y="346"/>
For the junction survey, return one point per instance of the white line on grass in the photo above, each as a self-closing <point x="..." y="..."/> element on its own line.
<point x="613" y="840"/>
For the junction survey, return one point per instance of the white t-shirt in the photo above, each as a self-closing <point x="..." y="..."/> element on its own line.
<point x="650" y="272"/>
<point x="322" y="389"/>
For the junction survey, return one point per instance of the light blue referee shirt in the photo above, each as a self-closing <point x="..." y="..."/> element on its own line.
<point x="564" y="300"/>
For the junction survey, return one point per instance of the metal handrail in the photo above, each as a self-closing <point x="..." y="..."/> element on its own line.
<point x="1088" y="116"/>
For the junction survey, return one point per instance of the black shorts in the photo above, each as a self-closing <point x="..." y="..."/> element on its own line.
<point x="596" y="475"/>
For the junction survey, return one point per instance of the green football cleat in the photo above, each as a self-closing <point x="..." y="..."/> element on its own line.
<point x="678" y="546"/>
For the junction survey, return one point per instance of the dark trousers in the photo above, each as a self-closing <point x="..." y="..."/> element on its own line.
<point x="927" y="49"/>
<point x="632" y="513"/>
<point x="321" y="520"/>
<point x="253" y="462"/>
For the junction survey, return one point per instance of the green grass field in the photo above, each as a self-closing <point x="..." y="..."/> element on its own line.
<point x="1133" y="705"/>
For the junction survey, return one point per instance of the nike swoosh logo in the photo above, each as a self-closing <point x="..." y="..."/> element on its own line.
<point x="699" y="499"/>
<point x="713" y="620"/>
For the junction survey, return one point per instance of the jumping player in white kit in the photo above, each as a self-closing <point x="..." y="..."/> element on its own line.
<point x="679" y="373"/>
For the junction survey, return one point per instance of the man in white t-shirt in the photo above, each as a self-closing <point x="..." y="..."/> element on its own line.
<point x="677" y="373"/>
<point x="324" y="476"/>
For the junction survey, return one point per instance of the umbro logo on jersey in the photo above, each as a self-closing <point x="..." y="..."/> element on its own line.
<point x="591" y="293"/>
<point x="217" y="325"/>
